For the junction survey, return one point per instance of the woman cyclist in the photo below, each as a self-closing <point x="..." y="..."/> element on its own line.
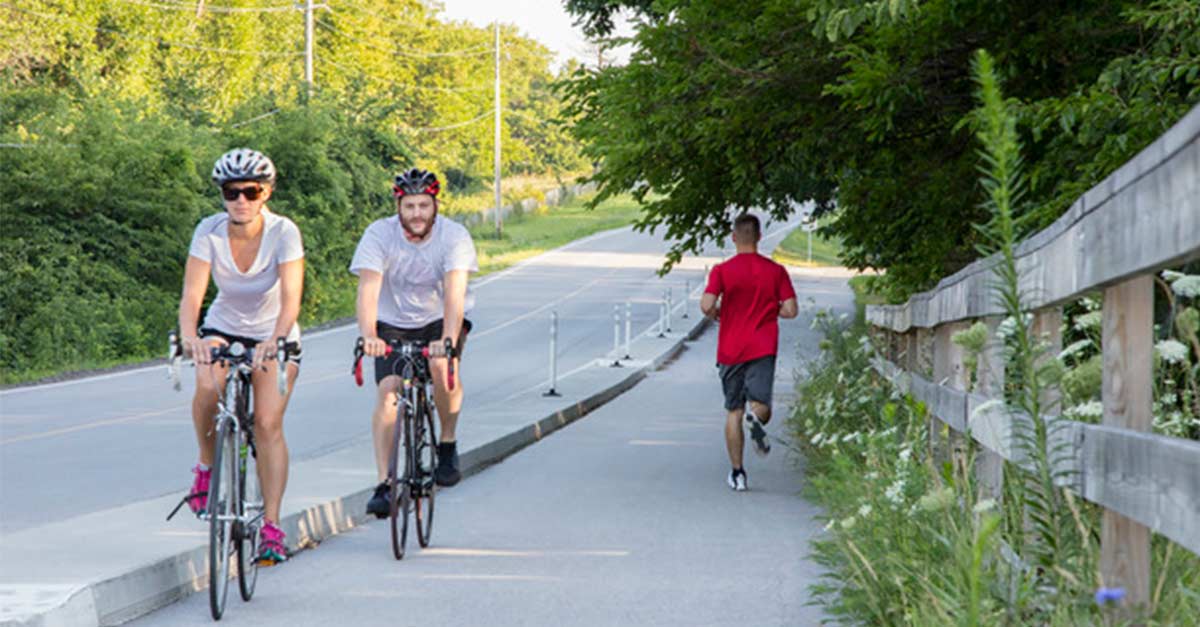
<point x="257" y="261"/>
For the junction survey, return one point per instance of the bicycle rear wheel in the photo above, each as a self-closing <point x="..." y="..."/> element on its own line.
<point x="251" y="519"/>
<point x="425" y="460"/>
<point x="222" y="496"/>
<point x="398" y="486"/>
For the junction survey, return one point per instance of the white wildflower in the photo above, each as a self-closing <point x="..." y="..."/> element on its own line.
<point x="1187" y="286"/>
<point x="865" y="510"/>
<point x="986" y="505"/>
<point x="895" y="492"/>
<point x="1089" y="320"/>
<point x="816" y="439"/>
<point x="1074" y="348"/>
<point x="1091" y="304"/>
<point x="870" y="476"/>
<point x="848" y="523"/>
<point x="1170" y="276"/>
<point x="829" y="525"/>
<point x="905" y="455"/>
<point x="843" y="317"/>
<point x="936" y="500"/>
<point x="1172" y="351"/>
<point x="1090" y="409"/>
<point x="849" y="436"/>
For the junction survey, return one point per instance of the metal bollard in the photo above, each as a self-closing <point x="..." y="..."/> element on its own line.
<point x="687" y="297"/>
<point x="628" y="328"/>
<point x="553" y="391"/>
<point x="670" y="306"/>
<point x="662" y="325"/>
<point x="616" y="336"/>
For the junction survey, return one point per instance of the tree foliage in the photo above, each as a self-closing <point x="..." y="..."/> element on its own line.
<point x="113" y="111"/>
<point x="867" y="107"/>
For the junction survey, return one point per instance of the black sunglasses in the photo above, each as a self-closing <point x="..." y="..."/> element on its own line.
<point x="251" y="193"/>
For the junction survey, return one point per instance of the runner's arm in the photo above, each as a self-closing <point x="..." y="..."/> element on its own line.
<point x="789" y="309"/>
<point x="709" y="306"/>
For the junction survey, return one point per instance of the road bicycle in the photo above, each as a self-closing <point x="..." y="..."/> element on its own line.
<point x="235" y="505"/>
<point x="410" y="478"/>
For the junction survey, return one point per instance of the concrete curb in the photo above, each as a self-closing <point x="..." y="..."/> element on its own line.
<point x="156" y="584"/>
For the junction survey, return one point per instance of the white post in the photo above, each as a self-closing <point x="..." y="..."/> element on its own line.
<point x="553" y="391"/>
<point x="628" y="328"/>
<point x="616" y="336"/>
<point x="496" y="139"/>
<point x="662" y="323"/>
<point x="687" y="297"/>
<point x="670" y="305"/>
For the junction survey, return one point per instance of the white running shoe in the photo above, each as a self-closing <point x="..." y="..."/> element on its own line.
<point x="737" y="480"/>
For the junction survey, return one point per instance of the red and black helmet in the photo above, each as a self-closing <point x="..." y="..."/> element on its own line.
<point x="416" y="181"/>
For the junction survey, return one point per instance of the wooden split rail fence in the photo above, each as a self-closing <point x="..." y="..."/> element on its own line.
<point x="1142" y="219"/>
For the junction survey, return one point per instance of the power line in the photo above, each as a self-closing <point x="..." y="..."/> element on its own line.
<point x="434" y="129"/>
<point x="465" y="52"/>
<point x="212" y="8"/>
<point x="410" y="86"/>
<point x="153" y="40"/>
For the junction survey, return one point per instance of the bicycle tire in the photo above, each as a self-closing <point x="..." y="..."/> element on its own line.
<point x="247" y="546"/>
<point x="398" y="488"/>
<point x="222" y="493"/>
<point x="425" y="462"/>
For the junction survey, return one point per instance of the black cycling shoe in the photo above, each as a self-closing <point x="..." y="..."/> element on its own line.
<point x="378" y="504"/>
<point x="447" y="474"/>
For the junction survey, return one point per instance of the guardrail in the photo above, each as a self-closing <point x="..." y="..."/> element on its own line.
<point x="1143" y="218"/>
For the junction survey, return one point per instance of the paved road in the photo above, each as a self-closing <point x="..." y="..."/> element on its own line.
<point x="89" y="445"/>
<point x="621" y="518"/>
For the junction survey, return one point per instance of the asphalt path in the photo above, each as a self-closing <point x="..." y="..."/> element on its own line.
<point x="621" y="518"/>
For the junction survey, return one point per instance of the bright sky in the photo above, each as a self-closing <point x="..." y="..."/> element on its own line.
<point x="546" y="21"/>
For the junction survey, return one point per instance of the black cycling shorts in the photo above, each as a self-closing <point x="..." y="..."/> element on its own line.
<point x="432" y="332"/>
<point x="752" y="380"/>
<point x="293" y="347"/>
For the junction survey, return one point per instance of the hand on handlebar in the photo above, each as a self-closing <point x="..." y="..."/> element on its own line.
<point x="262" y="352"/>
<point x="198" y="349"/>
<point x="374" y="347"/>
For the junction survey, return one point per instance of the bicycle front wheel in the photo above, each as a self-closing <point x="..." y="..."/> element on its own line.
<point x="222" y="499"/>
<point x="398" y="497"/>
<point x="425" y="460"/>
<point x="251" y="519"/>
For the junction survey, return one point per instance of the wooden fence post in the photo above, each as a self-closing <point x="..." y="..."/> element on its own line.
<point x="1127" y="394"/>
<point x="943" y="369"/>
<point x="989" y="465"/>
<point x="1047" y="328"/>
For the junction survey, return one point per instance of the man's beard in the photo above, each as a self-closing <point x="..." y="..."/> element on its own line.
<point x="422" y="234"/>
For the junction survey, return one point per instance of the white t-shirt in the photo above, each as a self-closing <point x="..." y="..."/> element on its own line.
<point x="247" y="303"/>
<point x="413" y="292"/>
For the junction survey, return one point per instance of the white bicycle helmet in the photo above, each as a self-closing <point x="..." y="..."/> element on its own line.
<point x="243" y="164"/>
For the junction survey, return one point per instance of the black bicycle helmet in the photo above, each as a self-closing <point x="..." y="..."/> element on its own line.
<point x="416" y="181"/>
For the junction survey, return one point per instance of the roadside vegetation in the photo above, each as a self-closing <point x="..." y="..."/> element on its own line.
<point x="910" y="540"/>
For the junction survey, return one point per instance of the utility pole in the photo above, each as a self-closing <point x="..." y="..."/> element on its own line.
<point x="308" y="46"/>
<point x="496" y="148"/>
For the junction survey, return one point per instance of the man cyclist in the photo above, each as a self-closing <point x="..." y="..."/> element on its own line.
<point x="413" y="271"/>
<point x="256" y="258"/>
<point x="755" y="292"/>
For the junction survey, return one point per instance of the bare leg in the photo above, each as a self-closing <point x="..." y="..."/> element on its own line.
<point x="209" y="380"/>
<point x="269" y="407"/>
<point x="448" y="402"/>
<point x="383" y="423"/>
<point x="762" y="411"/>
<point x="735" y="439"/>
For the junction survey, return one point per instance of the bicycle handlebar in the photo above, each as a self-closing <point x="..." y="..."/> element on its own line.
<point x="228" y="355"/>
<point x="409" y="348"/>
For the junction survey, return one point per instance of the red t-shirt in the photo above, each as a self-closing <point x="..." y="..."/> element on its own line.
<point x="751" y="288"/>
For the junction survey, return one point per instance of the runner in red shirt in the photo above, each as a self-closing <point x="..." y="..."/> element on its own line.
<point x="754" y="293"/>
